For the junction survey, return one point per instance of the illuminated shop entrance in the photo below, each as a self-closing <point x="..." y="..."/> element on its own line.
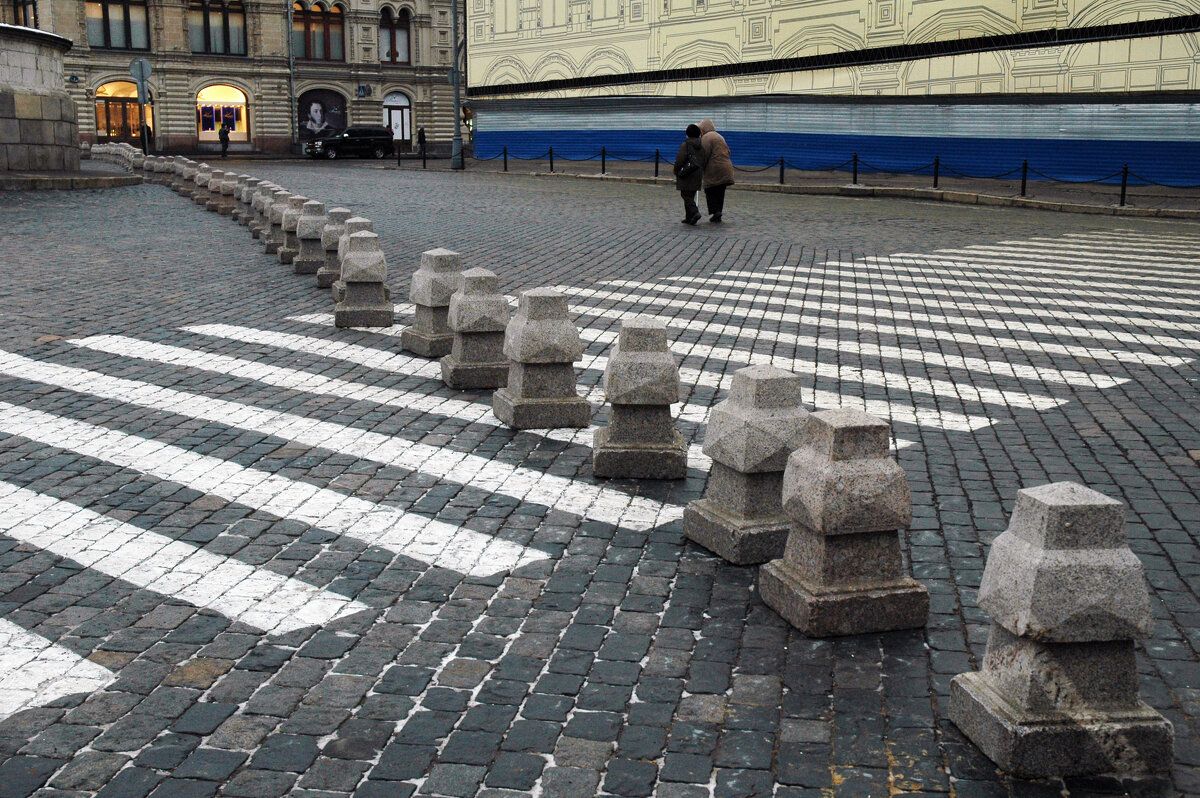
<point x="222" y="105"/>
<point x="118" y="116"/>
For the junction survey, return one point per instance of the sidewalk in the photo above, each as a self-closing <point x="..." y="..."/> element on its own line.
<point x="1091" y="198"/>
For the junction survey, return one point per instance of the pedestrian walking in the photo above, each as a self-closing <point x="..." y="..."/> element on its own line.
<point x="689" y="173"/>
<point x="718" y="169"/>
<point x="223" y="135"/>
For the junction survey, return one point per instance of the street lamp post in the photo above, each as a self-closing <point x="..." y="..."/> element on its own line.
<point x="456" y="148"/>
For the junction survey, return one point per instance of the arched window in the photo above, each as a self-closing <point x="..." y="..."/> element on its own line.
<point x="397" y="115"/>
<point x="217" y="27"/>
<point x="393" y="37"/>
<point x="218" y="106"/>
<point x="118" y="115"/>
<point x="318" y="34"/>
<point x="25" y="13"/>
<point x="118" y="24"/>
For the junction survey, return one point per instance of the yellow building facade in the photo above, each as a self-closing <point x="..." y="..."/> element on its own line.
<point x="1074" y="85"/>
<point x="524" y="43"/>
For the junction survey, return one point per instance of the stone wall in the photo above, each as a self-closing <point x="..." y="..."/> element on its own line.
<point x="38" y="131"/>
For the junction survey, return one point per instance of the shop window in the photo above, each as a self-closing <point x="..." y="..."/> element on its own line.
<point x="393" y="37"/>
<point x="318" y="34"/>
<point x="117" y="24"/>
<point x="218" y="106"/>
<point x="25" y="13"/>
<point x="118" y="114"/>
<point x="217" y="27"/>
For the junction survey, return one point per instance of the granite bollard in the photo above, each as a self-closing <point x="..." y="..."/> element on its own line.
<point x="542" y="345"/>
<point x="438" y="277"/>
<point x="225" y="203"/>
<point x="641" y="382"/>
<point x="842" y="572"/>
<point x="364" y="271"/>
<point x="310" y="255"/>
<point x="213" y="201"/>
<point x="749" y="438"/>
<point x="259" y="205"/>
<point x="355" y="224"/>
<point x="244" y="193"/>
<point x="275" y="207"/>
<point x="478" y="315"/>
<point x="291" y="215"/>
<point x="199" y="188"/>
<point x="335" y="224"/>
<point x="1058" y="693"/>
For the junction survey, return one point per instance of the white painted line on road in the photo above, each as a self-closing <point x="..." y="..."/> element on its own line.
<point x="408" y="534"/>
<point x="588" y="500"/>
<point x="34" y="671"/>
<point x="472" y="412"/>
<point x="380" y="359"/>
<point x="733" y="309"/>
<point x="240" y="592"/>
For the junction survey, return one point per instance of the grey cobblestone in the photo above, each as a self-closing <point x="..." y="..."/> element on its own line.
<point x="1007" y="349"/>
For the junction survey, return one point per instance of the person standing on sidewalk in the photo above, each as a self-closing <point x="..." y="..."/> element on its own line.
<point x="689" y="173"/>
<point x="718" y="169"/>
<point x="223" y="135"/>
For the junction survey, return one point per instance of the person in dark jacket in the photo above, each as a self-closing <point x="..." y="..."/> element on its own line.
<point x="718" y="169"/>
<point x="689" y="174"/>
<point x="223" y="135"/>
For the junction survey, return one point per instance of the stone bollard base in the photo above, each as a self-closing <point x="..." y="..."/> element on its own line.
<point x="424" y="344"/>
<point x="901" y="603"/>
<point x="520" y="413"/>
<point x="627" y="460"/>
<point x="326" y="276"/>
<point x="303" y="265"/>
<point x="467" y="376"/>
<point x="362" y="316"/>
<point x="741" y="541"/>
<point x="1134" y="740"/>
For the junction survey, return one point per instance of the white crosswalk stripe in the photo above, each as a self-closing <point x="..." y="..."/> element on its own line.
<point x="473" y="412"/>
<point x="409" y="534"/>
<point x="35" y="671"/>
<point x="595" y="502"/>
<point x="240" y="592"/>
<point x="888" y="315"/>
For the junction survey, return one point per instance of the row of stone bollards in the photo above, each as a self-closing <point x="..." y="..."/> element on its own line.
<point x="813" y="497"/>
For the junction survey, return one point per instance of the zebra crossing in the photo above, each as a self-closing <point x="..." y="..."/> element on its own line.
<point x="948" y="342"/>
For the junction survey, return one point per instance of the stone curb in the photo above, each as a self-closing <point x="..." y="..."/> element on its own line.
<point x="66" y="183"/>
<point x="927" y="194"/>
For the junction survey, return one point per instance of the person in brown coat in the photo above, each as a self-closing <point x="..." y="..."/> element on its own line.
<point x="689" y="173"/>
<point x="718" y="169"/>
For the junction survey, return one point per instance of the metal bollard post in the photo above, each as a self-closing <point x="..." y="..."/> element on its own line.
<point x="506" y="157"/>
<point x="1124" y="183"/>
<point x="656" y="163"/>
<point x="603" y="160"/>
<point x="551" y="159"/>
<point x="937" y="168"/>
<point x="781" y="171"/>
<point x="855" y="178"/>
<point x="1024" y="177"/>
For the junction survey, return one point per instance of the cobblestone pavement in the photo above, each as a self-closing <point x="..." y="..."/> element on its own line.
<point x="243" y="553"/>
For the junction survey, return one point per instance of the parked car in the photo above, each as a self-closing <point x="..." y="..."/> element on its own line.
<point x="361" y="140"/>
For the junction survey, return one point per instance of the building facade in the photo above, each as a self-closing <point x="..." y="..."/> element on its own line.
<point x="275" y="73"/>
<point x="1073" y="84"/>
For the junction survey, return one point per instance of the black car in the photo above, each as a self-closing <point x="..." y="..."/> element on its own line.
<point x="363" y="140"/>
